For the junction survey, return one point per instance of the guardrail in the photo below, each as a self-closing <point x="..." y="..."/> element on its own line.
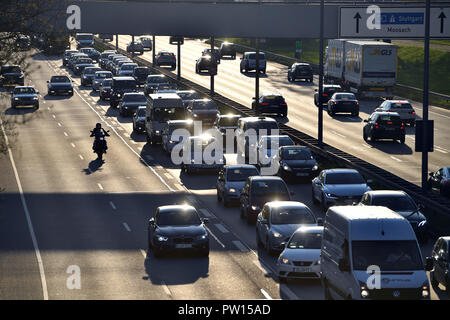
<point x="434" y="203"/>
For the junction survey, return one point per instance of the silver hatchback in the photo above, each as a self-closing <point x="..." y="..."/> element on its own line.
<point x="402" y="107"/>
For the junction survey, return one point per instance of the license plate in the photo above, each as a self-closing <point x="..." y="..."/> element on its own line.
<point x="183" y="245"/>
<point x="302" y="269"/>
<point x="389" y="129"/>
<point x="301" y="174"/>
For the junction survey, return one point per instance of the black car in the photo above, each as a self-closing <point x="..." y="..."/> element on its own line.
<point x="384" y="125"/>
<point x="80" y="64"/>
<point x="270" y="103"/>
<point x="166" y="58"/>
<point x="177" y="227"/>
<point x="139" y="119"/>
<point x="91" y="53"/>
<point x="105" y="89"/>
<point x="106" y="36"/>
<point x="135" y="47"/>
<point x="206" y="63"/>
<point x="176" y="39"/>
<point x="440" y="181"/>
<point x="441" y="263"/>
<point x="67" y="55"/>
<point x="226" y="125"/>
<point x="140" y="75"/>
<point x="212" y="53"/>
<point x="153" y="81"/>
<point x="59" y="85"/>
<point x="187" y="95"/>
<point x="296" y="163"/>
<point x="328" y="91"/>
<point x="11" y="75"/>
<point x="120" y="86"/>
<point x="227" y="49"/>
<point x="343" y="102"/>
<point x="257" y="191"/>
<point x="204" y="110"/>
<point x="300" y="71"/>
<point x="25" y="96"/>
<point x="88" y="75"/>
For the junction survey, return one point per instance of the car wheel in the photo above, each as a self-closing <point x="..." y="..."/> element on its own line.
<point x="205" y="252"/>
<point x="355" y="114"/>
<point x="433" y="281"/>
<point x="447" y="286"/>
<point x="269" y="249"/>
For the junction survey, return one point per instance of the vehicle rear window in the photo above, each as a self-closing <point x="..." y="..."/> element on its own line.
<point x="91" y="70"/>
<point x="134" y="98"/>
<point x="269" y="187"/>
<point x="166" y="54"/>
<point x="389" y="118"/>
<point x="296" y="154"/>
<point x="273" y="99"/>
<point x="124" y="84"/>
<point x="84" y="61"/>
<point x="346" y="96"/>
<point x="228" y="121"/>
<point x="103" y="75"/>
<point x="253" y="56"/>
<point x="141" y="71"/>
<point x="401" y="106"/>
<point x="241" y="174"/>
<point x="344" y="178"/>
<point x="85" y="37"/>
<point x="303" y="68"/>
<point x="128" y="67"/>
<point x="292" y="216"/>
<point x="141" y="112"/>
<point x="330" y="90"/>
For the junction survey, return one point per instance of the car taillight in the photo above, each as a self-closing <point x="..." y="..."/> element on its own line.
<point x="283" y="104"/>
<point x="402" y="127"/>
<point x="357" y="103"/>
<point x="389" y="123"/>
<point x="324" y="95"/>
<point x="413" y="112"/>
<point x="264" y="104"/>
<point x="335" y="102"/>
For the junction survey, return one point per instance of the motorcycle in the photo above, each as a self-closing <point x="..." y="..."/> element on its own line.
<point x="100" y="145"/>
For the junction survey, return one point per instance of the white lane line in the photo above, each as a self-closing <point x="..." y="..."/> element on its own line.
<point x="59" y="124"/>
<point x="205" y="212"/>
<point x="338" y="134"/>
<point x="72" y="144"/>
<point x="261" y="266"/>
<point x="214" y="236"/>
<point x="125" y="225"/>
<point x="266" y="294"/>
<point x="443" y="150"/>
<point x="168" y="175"/>
<point x="100" y="186"/>
<point x="285" y="289"/>
<point x="411" y="137"/>
<point x="366" y="145"/>
<point x="112" y="205"/>
<point x="27" y="214"/>
<point x="44" y="101"/>
<point x="144" y="253"/>
<point x="65" y="133"/>
<point x="240" y="246"/>
<point x="179" y="187"/>
<point x="54" y="117"/>
<point x="81" y="157"/>
<point x="166" y="288"/>
<point x="221" y="228"/>
<point x="396" y="159"/>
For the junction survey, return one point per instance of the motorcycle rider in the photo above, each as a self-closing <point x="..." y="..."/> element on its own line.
<point x="99" y="133"/>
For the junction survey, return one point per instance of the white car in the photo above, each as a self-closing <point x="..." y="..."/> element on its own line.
<point x="301" y="257"/>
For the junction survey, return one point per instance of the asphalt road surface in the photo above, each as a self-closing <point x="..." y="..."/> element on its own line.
<point x="62" y="210"/>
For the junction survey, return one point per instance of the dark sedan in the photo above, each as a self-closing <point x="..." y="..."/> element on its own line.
<point x="141" y="74"/>
<point x="66" y="56"/>
<point x="343" y="102"/>
<point x="295" y="163"/>
<point x="215" y="54"/>
<point x="25" y="96"/>
<point x="165" y="58"/>
<point x="11" y="75"/>
<point x="81" y="64"/>
<point x="440" y="181"/>
<point x="59" y="85"/>
<point x="384" y="125"/>
<point x="227" y="49"/>
<point x="204" y="110"/>
<point x="300" y="71"/>
<point x="270" y="103"/>
<point x="91" y="53"/>
<point x="105" y="89"/>
<point x="177" y="227"/>
<point x="328" y="91"/>
<point x="206" y="63"/>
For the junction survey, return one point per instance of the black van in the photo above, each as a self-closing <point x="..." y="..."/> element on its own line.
<point x="119" y="86"/>
<point x="300" y="71"/>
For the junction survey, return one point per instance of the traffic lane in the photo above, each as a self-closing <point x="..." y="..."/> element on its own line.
<point x="131" y="224"/>
<point x="306" y="120"/>
<point x="72" y="229"/>
<point x="18" y="262"/>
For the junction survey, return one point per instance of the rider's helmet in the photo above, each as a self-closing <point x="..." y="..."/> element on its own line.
<point x="98" y="126"/>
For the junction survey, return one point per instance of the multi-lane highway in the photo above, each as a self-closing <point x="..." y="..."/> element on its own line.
<point x="342" y="131"/>
<point x="63" y="210"/>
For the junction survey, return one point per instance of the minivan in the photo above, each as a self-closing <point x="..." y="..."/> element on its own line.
<point x="371" y="252"/>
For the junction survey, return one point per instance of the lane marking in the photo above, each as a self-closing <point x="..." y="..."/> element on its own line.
<point x="179" y="187"/>
<point x="65" y="133"/>
<point x="168" y="175"/>
<point x="27" y="214"/>
<point x="144" y="253"/>
<point x="214" y="236"/>
<point x="261" y="267"/>
<point x="266" y="294"/>
<point x="396" y="159"/>
<point x="81" y="157"/>
<point x="291" y="295"/>
<point x="54" y="117"/>
<point x="338" y="134"/>
<point x="240" y="246"/>
<point x="59" y="124"/>
<point x="72" y="144"/>
<point x="112" y="205"/>
<point x="125" y="225"/>
<point x="221" y="228"/>
<point x="100" y="186"/>
<point x="166" y="288"/>
<point x="205" y="212"/>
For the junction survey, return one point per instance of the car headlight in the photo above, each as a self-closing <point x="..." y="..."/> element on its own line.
<point x="202" y="236"/>
<point x="16" y="99"/>
<point x="162" y="238"/>
<point x="232" y="190"/>
<point x="316" y="167"/>
<point x="157" y="132"/>
<point x="277" y="235"/>
<point x="255" y="208"/>
<point x="195" y="116"/>
<point x="286" y="168"/>
<point x="331" y="195"/>
<point x="284" y="261"/>
<point x="172" y="142"/>
<point x="192" y="160"/>
<point x="317" y="262"/>
<point x="425" y="289"/>
<point x="35" y="98"/>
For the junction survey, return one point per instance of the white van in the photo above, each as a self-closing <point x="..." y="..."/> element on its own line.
<point x="359" y="239"/>
<point x="161" y="108"/>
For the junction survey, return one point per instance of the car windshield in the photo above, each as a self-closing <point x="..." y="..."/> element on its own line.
<point x="296" y="154"/>
<point x="85" y="37"/>
<point x="228" y="121"/>
<point x="124" y="84"/>
<point x="91" y="70"/>
<point x="164" y="114"/>
<point x="24" y="90"/>
<point x="305" y="240"/>
<point x="277" y="142"/>
<point x="107" y="83"/>
<point x="303" y="68"/>
<point x="141" y="112"/>
<point x="11" y="69"/>
<point x="269" y="187"/>
<point x="398" y="255"/>
<point x="300" y="215"/>
<point x="141" y="71"/>
<point x="241" y="174"/>
<point x="179" y="218"/>
<point x="188" y="95"/>
<point x="330" y="90"/>
<point x="84" y="61"/>
<point x="395" y="202"/>
<point x="204" y="105"/>
<point x="345" y="96"/>
<point x="151" y="79"/>
<point x="103" y="75"/>
<point x="253" y="56"/>
<point x="134" y="98"/>
<point x="59" y="79"/>
<point x="166" y="54"/>
<point x="344" y="178"/>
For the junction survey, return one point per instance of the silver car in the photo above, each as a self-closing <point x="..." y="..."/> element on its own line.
<point x="231" y="180"/>
<point x="146" y="43"/>
<point x="402" y="107"/>
<point x="278" y="220"/>
<point x="301" y="257"/>
<point x="338" y="187"/>
<point x="99" y="76"/>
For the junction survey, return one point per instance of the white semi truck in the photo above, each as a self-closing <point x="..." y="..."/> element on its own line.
<point x="367" y="68"/>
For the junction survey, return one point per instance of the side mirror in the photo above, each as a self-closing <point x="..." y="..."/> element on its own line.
<point x="343" y="266"/>
<point x="319" y="221"/>
<point x="151" y="222"/>
<point x="205" y="220"/>
<point x="366" y="120"/>
<point x="429" y="264"/>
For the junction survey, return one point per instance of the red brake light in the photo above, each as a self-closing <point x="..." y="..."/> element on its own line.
<point x="324" y="94"/>
<point x="335" y="102"/>
<point x="264" y="104"/>
<point x="413" y="112"/>
<point x="357" y="103"/>
<point x="389" y="123"/>
<point x="283" y="104"/>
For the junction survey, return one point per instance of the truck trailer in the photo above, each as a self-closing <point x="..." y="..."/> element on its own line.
<point x="367" y="68"/>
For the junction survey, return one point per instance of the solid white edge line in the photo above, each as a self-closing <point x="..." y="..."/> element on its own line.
<point x="166" y="288"/>
<point x="27" y="214"/>
<point x="266" y="294"/>
<point x="112" y="205"/>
